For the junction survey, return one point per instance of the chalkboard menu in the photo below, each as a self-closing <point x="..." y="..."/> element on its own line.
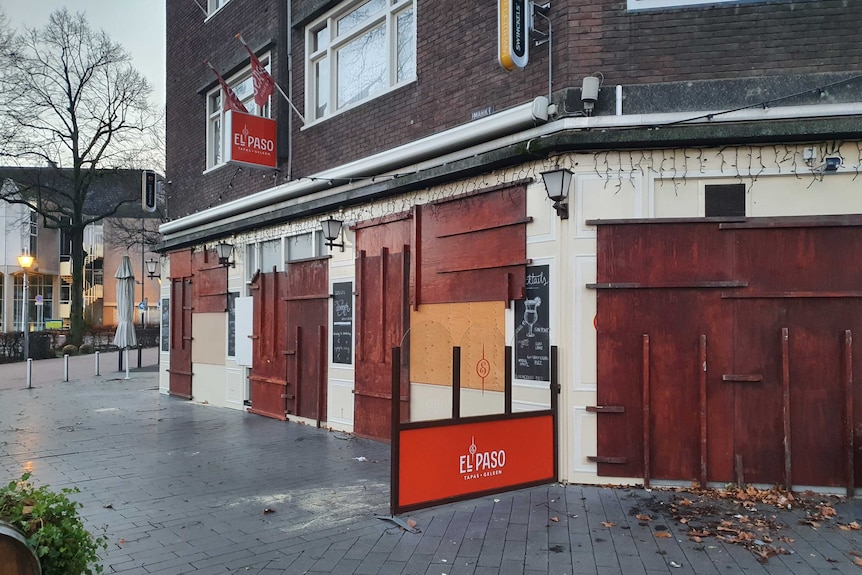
<point x="231" y="323"/>
<point x="166" y="324"/>
<point x="532" y="328"/>
<point x="342" y="322"/>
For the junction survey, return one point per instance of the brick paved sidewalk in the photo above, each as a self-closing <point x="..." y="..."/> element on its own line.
<point x="185" y="488"/>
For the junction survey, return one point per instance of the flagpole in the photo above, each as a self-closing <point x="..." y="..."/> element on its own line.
<point x="280" y="91"/>
<point x="274" y="83"/>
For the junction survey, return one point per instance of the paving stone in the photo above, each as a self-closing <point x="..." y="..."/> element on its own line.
<point x="188" y="484"/>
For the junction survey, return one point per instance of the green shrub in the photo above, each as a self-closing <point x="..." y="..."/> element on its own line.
<point x="86" y="348"/>
<point x="50" y="522"/>
<point x="70" y="349"/>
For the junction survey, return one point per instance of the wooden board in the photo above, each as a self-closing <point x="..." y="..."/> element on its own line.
<point x="717" y="303"/>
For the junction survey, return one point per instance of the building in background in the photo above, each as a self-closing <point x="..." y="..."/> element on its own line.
<point x="105" y="242"/>
<point x="708" y="199"/>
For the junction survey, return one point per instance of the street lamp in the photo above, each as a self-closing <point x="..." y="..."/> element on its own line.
<point x="25" y="261"/>
<point x="151" y="267"/>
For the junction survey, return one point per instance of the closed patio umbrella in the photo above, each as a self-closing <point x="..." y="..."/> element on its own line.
<point x="125" y="336"/>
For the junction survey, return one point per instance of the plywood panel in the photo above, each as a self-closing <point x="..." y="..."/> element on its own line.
<point x="477" y="327"/>
<point x="794" y="276"/>
<point x="799" y="259"/>
<point x="664" y="253"/>
<point x="210" y="294"/>
<point x="473" y="248"/>
<point x="214" y="325"/>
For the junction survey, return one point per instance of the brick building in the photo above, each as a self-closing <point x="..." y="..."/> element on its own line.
<point x="712" y="214"/>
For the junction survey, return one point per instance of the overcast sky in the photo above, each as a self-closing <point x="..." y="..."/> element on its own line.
<point x="139" y="25"/>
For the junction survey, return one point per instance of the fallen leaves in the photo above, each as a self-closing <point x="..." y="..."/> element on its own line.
<point x="740" y="516"/>
<point x="608" y="524"/>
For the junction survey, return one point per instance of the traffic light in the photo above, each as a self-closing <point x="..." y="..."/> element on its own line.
<point x="148" y="190"/>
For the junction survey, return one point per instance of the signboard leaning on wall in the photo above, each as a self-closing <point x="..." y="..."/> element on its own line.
<point x="342" y="323"/>
<point x="532" y="327"/>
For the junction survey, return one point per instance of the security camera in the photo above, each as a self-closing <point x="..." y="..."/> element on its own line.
<point x="831" y="164"/>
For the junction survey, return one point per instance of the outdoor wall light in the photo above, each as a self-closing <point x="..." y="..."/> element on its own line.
<point x="557" y="184"/>
<point x="331" y="230"/>
<point x="224" y="251"/>
<point x="151" y="267"/>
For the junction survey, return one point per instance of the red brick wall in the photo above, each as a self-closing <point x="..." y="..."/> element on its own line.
<point x="458" y="72"/>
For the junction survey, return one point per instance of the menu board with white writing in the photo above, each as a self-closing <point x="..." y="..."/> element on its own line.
<point x="166" y="324"/>
<point x="532" y="328"/>
<point x="342" y="322"/>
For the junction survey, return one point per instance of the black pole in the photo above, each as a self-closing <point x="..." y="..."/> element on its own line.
<point x="119" y="359"/>
<point x="555" y="406"/>
<point x="395" y="429"/>
<point x="507" y="380"/>
<point x="456" y="382"/>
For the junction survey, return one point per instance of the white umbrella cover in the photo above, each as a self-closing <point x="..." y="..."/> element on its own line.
<point x="125" y="336"/>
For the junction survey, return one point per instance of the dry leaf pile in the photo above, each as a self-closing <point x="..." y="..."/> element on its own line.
<point x="743" y="516"/>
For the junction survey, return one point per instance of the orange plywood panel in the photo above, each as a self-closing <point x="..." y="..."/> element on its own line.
<point x="477" y="327"/>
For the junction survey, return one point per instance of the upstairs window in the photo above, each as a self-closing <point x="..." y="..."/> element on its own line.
<point x="357" y="52"/>
<point x="214" y="6"/>
<point x="243" y="86"/>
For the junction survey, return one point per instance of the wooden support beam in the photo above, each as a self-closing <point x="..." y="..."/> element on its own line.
<point x="703" y="423"/>
<point x="785" y="386"/>
<point x="646" y="413"/>
<point x="848" y="412"/>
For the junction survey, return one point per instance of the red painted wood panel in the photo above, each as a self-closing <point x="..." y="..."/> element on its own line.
<point x="288" y="371"/>
<point x="268" y="377"/>
<point x="799" y="259"/>
<point x="382" y="303"/>
<point x="307" y="313"/>
<point x="210" y="283"/>
<point x="799" y="277"/>
<point x="180" y="379"/>
<point x="672" y="252"/>
<point x="816" y="390"/>
<point x="757" y="425"/>
<point x="473" y="248"/>
<point x="382" y="319"/>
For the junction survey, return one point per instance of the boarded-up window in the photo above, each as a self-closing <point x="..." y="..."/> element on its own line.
<point x="724" y="201"/>
<point x="473" y="248"/>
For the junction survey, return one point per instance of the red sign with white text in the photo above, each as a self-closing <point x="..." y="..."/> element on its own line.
<point x="251" y="140"/>
<point x="448" y="462"/>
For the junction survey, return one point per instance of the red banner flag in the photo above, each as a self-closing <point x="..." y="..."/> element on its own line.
<point x="230" y="101"/>
<point x="263" y="82"/>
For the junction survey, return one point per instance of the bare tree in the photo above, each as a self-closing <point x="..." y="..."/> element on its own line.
<point x="74" y="105"/>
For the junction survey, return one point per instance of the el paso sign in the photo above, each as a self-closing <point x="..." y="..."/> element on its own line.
<point x="251" y="140"/>
<point x="446" y="462"/>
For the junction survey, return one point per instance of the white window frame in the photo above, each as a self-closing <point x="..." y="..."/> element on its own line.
<point x="651" y="4"/>
<point x="214" y="6"/>
<point x="254" y="255"/>
<point x="215" y="110"/>
<point x="387" y="17"/>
